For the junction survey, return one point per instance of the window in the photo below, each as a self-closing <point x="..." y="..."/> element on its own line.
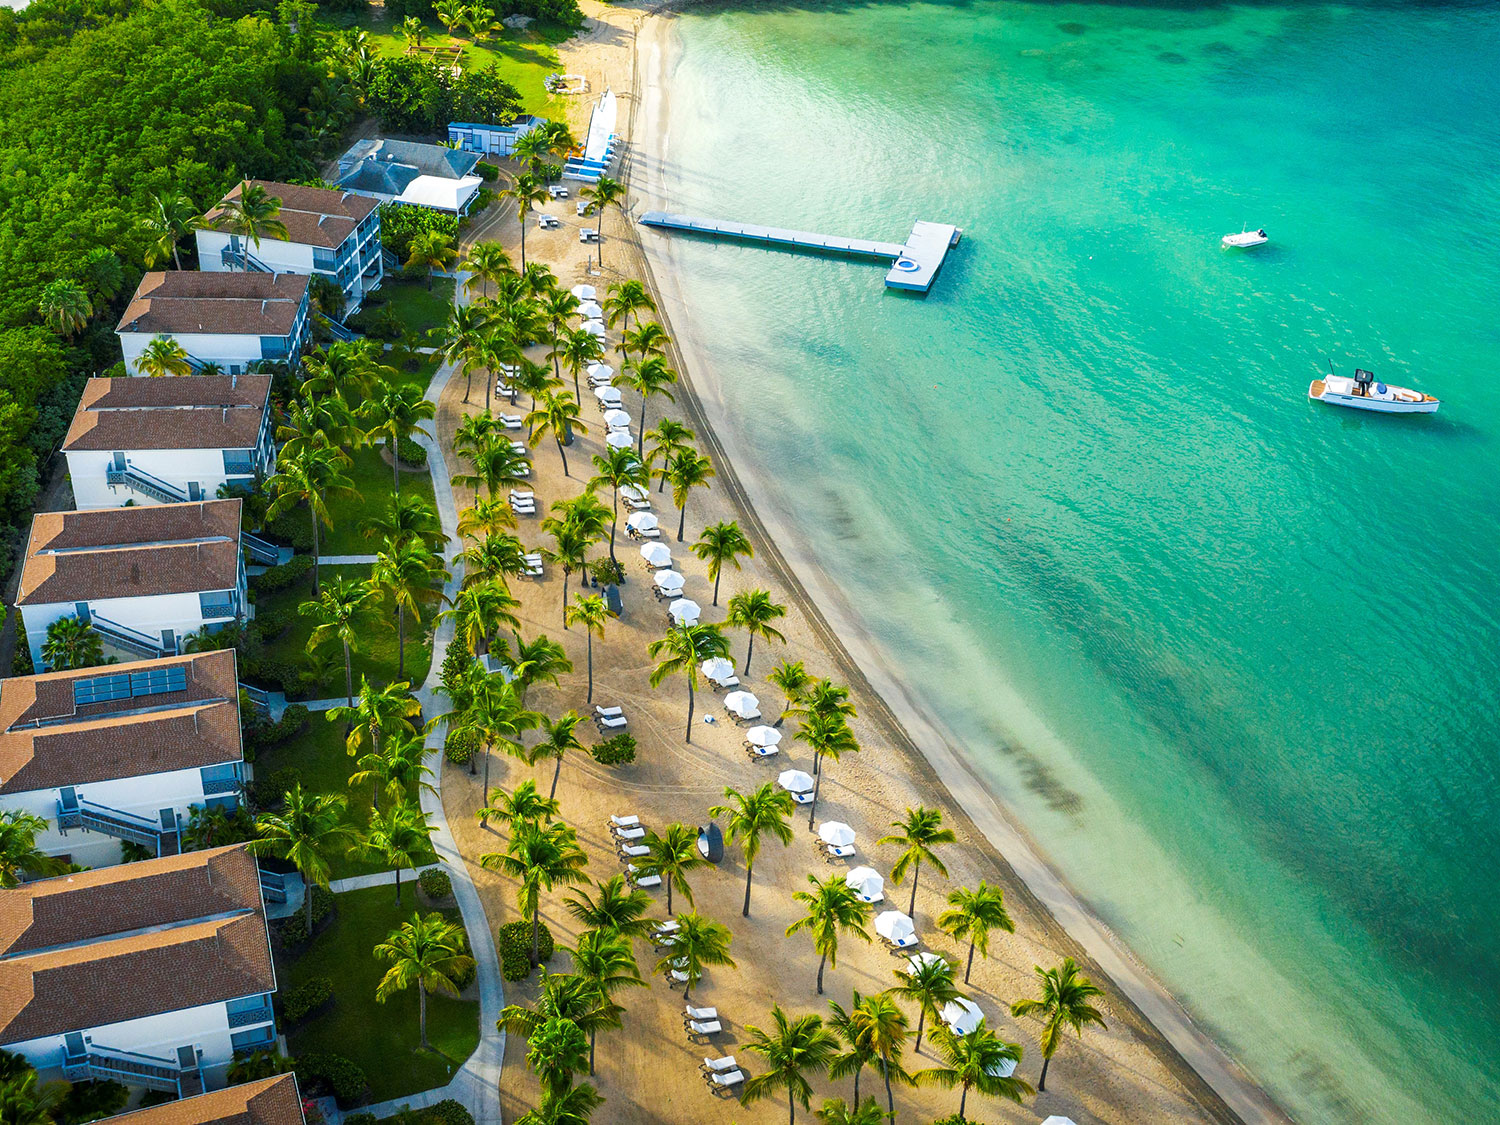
<point x="273" y="347"/>
<point x="323" y="259"/>
<point x="255" y="1037"/>
<point x="223" y="778"/>
<point x="238" y="463"/>
<point x="219" y="603"/>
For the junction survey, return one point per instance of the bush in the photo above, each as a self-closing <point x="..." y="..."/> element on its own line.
<point x="271" y="790"/>
<point x="400" y="224"/>
<point x="435" y="883"/>
<point x="280" y="577"/>
<point x="261" y="735"/>
<point x="270" y="624"/>
<point x="359" y="1119"/>
<point x="293" y="928"/>
<point x="307" y="998"/>
<point x="342" y="1078"/>
<point x="273" y="674"/>
<point x="446" y="1112"/>
<point x="411" y="453"/>
<point x="616" y="750"/>
<point x="328" y="295"/>
<point x="487" y="171"/>
<point x="461" y="746"/>
<point x="376" y="323"/>
<point x="515" y="948"/>
<point x="607" y="571"/>
<point x="91" y="1101"/>
<point x="290" y="529"/>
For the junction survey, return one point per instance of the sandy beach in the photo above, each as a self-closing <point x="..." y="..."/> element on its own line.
<point x="1151" y="1064"/>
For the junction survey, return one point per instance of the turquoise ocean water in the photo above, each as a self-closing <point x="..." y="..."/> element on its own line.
<point x="1231" y="657"/>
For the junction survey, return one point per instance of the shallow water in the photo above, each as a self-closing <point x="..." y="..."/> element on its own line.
<point x="1230" y="656"/>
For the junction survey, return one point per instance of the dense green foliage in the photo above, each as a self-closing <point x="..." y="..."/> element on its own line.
<point x="515" y="948"/>
<point x="435" y="883"/>
<point x="399" y="225"/>
<point x="306" y="998"/>
<point x="617" y="750"/>
<point x="420" y="95"/>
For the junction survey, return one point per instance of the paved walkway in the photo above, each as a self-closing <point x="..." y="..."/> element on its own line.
<point x="346" y="560"/>
<point x="378" y="879"/>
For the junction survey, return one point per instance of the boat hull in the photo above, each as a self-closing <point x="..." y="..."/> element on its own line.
<point x="1239" y="242"/>
<point x="1321" y="393"/>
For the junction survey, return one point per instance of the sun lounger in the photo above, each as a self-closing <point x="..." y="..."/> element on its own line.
<point x="631" y="821"/>
<point x="669" y="927"/>
<point x="905" y="943"/>
<point x="648" y="881"/>
<point x="691" y="1013"/>
<point x="839" y="853"/>
<point x="718" y="1066"/>
<point x="522" y="509"/>
<point x="707" y="1027"/>
<point x="762" y="751"/>
<point x="636" y="505"/>
<point x="617" y="723"/>
<point x="635" y="851"/>
<point x="511" y="421"/>
<point x="871" y="898"/>
<point x="519" y="447"/>
<point x="633" y="833"/>
<point x="802" y="798"/>
<point x="726" y="1081"/>
<point x="727" y="682"/>
<point x="753" y="716"/>
<point x="522" y="494"/>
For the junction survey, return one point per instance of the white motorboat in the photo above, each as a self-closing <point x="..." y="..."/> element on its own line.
<point x="1245" y="239"/>
<point x="1363" y="393"/>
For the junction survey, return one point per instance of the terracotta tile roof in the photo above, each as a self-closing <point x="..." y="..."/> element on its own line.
<point x="241" y="304"/>
<point x="90" y="905"/>
<point x="312" y="216"/>
<point x="131" y="552"/>
<point x="196" y="412"/>
<point x="47" y="741"/>
<point x="143" y="938"/>
<point x="270" y="1101"/>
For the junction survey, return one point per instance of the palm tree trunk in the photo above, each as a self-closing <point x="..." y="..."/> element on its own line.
<point x="565" y="597"/>
<point x="536" y="935"/>
<point x="681" y="518"/>
<point x="749" y="651"/>
<point x="970" y="966"/>
<point x="563" y="455"/>
<point x="592" y="1033"/>
<point x="398" y="884"/>
<point x="176" y="257"/>
<point x="590" y="698"/>
<point x="468" y="383"/>
<point x="669" y="904"/>
<point x="962" y="1101"/>
<point x="422" y="1010"/>
<point x="612" y="525"/>
<point x="749" y="873"/>
<point x="489" y="388"/>
<point x="812" y="809"/>
<point x="890" y="1099"/>
<point x="821" y="963"/>
<point x="400" y="642"/>
<point x="857" y="1072"/>
<point x="314" y="515"/>
<point x="522" y="213"/>
<point x="307" y="889"/>
<point x="486" y="782"/>
<point x="556" y="772"/>
<point x="921" y="1019"/>
<point x="791" y="1104"/>
<point x="396" y="462"/>
<point x="916" y="873"/>
<point x="1041" y="1084"/>
<point x="689" y="736"/>
<point x="348" y="680"/>
<point x="640" y="438"/>
<point x="718" y="573"/>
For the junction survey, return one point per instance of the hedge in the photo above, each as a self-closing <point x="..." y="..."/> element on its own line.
<point x="307" y="998"/>
<point x="263" y="735"/>
<point x="399" y="224"/>
<point x="271" y="790"/>
<point x="293" y="928"/>
<point x="616" y="750"/>
<point x="286" y="574"/>
<point x="435" y="883"/>
<point x="445" y="1112"/>
<point x="411" y="453"/>
<point x="346" y="1080"/>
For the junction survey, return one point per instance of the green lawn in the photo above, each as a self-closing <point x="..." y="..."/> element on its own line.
<point x="380" y="1038"/>
<point x="373" y="485"/>
<point x="417" y="307"/>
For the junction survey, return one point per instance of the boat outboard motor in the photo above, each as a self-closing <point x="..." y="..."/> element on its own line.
<point x="1364" y="379"/>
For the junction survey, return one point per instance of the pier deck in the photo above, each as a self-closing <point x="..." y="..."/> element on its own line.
<point x="914" y="264"/>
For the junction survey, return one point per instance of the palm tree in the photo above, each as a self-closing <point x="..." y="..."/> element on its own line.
<point x="341" y="612"/>
<point x="496" y="464"/>
<point x="722" y="543"/>
<point x="432" y="250"/>
<point x="573" y="1106"/>
<point x="606" y="963"/>
<point x="682" y="652"/>
<point x="525" y="806"/>
<point x="19" y="855"/>
<point x="409" y="574"/>
<point x="251" y="215"/>
<point x="835" y="1111"/>
<point x="556" y="1051"/>
<point x="753" y="815"/>
<point x="450" y="12"/>
<point x="407" y="517"/>
<point x="463" y="337"/>
<point x="163" y="355"/>
<point x="615" y="469"/>
<point x="1065" y="1004"/>
<point x="973" y="915"/>
<point x="688" y="469"/>
<point x="856" y="1053"/>
<point x="604" y="192"/>
<point x="427" y="952"/>
<point x="791" y="1048"/>
<point x="577" y="349"/>
<point x="540" y="859"/>
<point x="72" y="643"/>
<point x="826" y="698"/>
<point x="619" y="908"/>
<point x="173" y="217"/>
<point x="26" y="1100"/>
<point x="625" y="298"/>
<point x="397" y="767"/>
<point x="558" y="737"/>
<point x="496" y="714"/>
<point x="583" y="513"/>
<point x="307" y="833"/>
<point x="697" y="942"/>
<point x="488" y="515"/>
<point x="487" y="263"/>
<point x="559" y="307"/>
<point x="832" y="906"/>
<point x="481" y="609"/>
<point x="975" y="1062"/>
<point x="917" y="835"/>
<point x="648" y="378"/>
<point x="396" y="411"/>
<point x="539" y="661"/>
<point x="558" y="415"/>
<point x="646" y="340"/>
<point x="66" y="308"/>
<point x="569" y="551"/>
<point x="589" y="611"/>
<point x="672" y="855"/>
<point x="667" y="439"/>
<point x="827" y="736"/>
<point x="792" y="678"/>
<point x="313" y="477"/>
<point x="317" y="420"/>
<point x="398" y="837"/>
<point x="881" y="1026"/>
<point x="753" y="611"/>
<point x="381" y="712"/>
<point x="527" y="191"/>
<point x="928" y="983"/>
<point x="412" y="31"/>
<point x="493" y="557"/>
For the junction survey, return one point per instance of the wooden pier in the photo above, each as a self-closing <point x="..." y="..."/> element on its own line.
<point x="914" y="264"/>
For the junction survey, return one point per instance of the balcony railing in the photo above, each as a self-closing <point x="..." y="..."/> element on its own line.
<point x="259" y="550"/>
<point x="123" y="636"/>
<point x="250" y="1018"/>
<point x="133" y="1069"/>
<point x="215" y="610"/>
<point x="221" y="785"/>
<point x="141" y="481"/>
<point x="245" y="260"/>
<point x="120" y="824"/>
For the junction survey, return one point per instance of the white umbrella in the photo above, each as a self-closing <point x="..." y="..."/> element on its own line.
<point x="763" y="736"/>
<point x="962" y="1016"/>
<point x="619" y="439"/>
<point x="1056" y="1120"/>
<point x="668" y="581"/>
<point x="600" y="371"/>
<point x="917" y="960"/>
<point x="743" y="704"/>
<point x="610" y="396"/>
<point x="656" y="554"/>
<point x="596" y="327"/>
<point x="584" y="292"/>
<point x="616" y="418"/>
<point x="867" y="881"/>
<point x="641" y="521"/>
<point x="835" y="833"/>
<point x="1004" y="1069"/>
<point x="716" y="667"/>
<point x="590" y="310"/>
<point x="684" y="611"/>
<point x="795" y="781"/>
<point x="894" y="926"/>
<point x="633" y="492"/>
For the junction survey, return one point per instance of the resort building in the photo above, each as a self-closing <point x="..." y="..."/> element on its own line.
<point x="269" y="1101"/>
<point x="152" y="974"/>
<point x="334" y="234"/>
<point x="233" y="320"/>
<point x="432" y="176"/>
<point x="166" y="441"/>
<point x="492" y="140"/>
<point x="121" y="753"/>
<point x="144" y="577"/>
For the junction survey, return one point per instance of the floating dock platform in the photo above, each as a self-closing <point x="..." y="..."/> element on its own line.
<point x="914" y="264"/>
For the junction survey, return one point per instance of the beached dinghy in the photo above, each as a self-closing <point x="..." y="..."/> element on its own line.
<point x="1363" y="393"/>
<point x="1245" y="239"/>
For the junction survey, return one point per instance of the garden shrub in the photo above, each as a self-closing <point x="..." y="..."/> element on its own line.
<point x="446" y="1112"/>
<point x="607" y="571"/>
<point x="270" y="624"/>
<point x="464" y="978"/>
<point x="90" y="1101"/>
<point x="271" y="790"/>
<point x="290" y="529"/>
<point x="616" y="750"/>
<point x="487" y="171"/>
<point x="515" y="964"/>
<point x="359" y="1119"/>
<point x="273" y="674"/>
<point x="376" y="323"/>
<point x="280" y="577"/>
<point x="411" y="453"/>
<point x="461" y="746"/>
<point x="262" y="735"/>
<point x="399" y="224"/>
<point x="307" y="998"/>
<point x="340" y="1076"/>
<point x="515" y="948"/>
<point x="435" y="883"/>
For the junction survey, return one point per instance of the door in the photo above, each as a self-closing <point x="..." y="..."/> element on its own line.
<point x="73" y="1046"/>
<point x="168" y="641"/>
<point x="81" y="609"/>
<point x="119" y="461"/>
<point x="67" y="799"/>
<point x="169" y="821"/>
<point x="195" y="490"/>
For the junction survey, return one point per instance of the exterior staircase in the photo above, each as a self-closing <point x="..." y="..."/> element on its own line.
<point x="146" y="484"/>
<point x="338" y="329"/>
<point x="105" y="1064"/>
<point x="119" y="824"/>
<point x="244" y="260"/>
<point x="124" y="637"/>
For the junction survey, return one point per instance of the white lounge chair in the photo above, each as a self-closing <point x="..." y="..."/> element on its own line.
<point x="630" y="833"/>
<point x="522" y="494"/>
<point x="727" y="1080"/>
<point x="839" y="853"/>
<point x="522" y="509"/>
<point x="648" y="881"/>
<point x="510" y="421"/>
<point x="719" y="1066"/>
<point x="669" y="927"/>
<point x="634" y="851"/>
<point x="706" y="1027"/>
<point x="691" y="1013"/>
<point x="728" y="682"/>
<point x="802" y="798"/>
<point x="905" y="943"/>
<point x="636" y="505"/>
<point x="631" y="821"/>
<point x="519" y="447"/>
<point x="618" y="722"/>
<point x="608" y="712"/>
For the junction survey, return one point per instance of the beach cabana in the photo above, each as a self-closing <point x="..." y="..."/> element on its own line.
<point x="619" y="439"/>
<point x="656" y="554"/>
<point x="835" y="833"/>
<point x="896" y="928"/>
<point x="868" y="884"/>
<point x="668" y="582"/>
<point x="584" y="292"/>
<point x="763" y="736"/>
<point x="795" y="781"/>
<point x="742" y="705"/>
<point x="962" y="1016"/>
<point x="684" y="611"/>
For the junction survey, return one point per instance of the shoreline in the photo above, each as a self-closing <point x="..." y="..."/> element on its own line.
<point x="1223" y="1087"/>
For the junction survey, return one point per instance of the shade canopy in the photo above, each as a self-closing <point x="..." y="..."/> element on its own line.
<point x="594" y="328"/>
<point x="617" y="418"/>
<point x="641" y="521"/>
<point x="608" y="395"/>
<point x="619" y="439"/>
<point x="866" y="880"/>
<point x="836" y="833"/>
<point x="742" y="703"/>
<point x="590" y="310"/>
<point x="763" y="736"/>
<point x="667" y="579"/>
<point x="962" y="1016"/>
<point x="795" y="781"/>
<point x="656" y="554"/>
<point x="633" y="492"/>
<point x="584" y="292"/>
<point x="917" y="960"/>
<point x="716" y="667"/>
<point x="684" y="611"/>
<point x="1056" y="1120"/>
<point x="894" y="926"/>
<point x="599" y="371"/>
<point x="1004" y="1069"/>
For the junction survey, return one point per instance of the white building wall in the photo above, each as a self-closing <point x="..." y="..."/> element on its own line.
<point x="233" y="353"/>
<point x="177" y="467"/>
<point x="182" y="613"/>
<point x="282" y="257"/>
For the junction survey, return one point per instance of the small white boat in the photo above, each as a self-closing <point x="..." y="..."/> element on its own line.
<point x="1245" y="239"/>
<point x="1363" y="393"/>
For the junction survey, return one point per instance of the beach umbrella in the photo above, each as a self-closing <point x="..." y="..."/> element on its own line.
<point x="962" y="1016"/>
<point x="641" y="521"/>
<point x="668" y="581"/>
<point x="867" y="881"/>
<point x="616" y="419"/>
<point x="894" y="926"/>
<point x="634" y="492"/>
<point x="835" y="833"/>
<point x="656" y="554"/>
<point x="763" y="736"/>
<point x="590" y="310"/>
<point x="599" y="372"/>
<point x="584" y="292"/>
<point x="608" y="396"/>
<point x="595" y="327"/>
<point x="1056" y="1120"/>
<point x="917" y="960"/>
<point x="742" y="704"/>
<point x="795" y="781"/>
<point x="1004" y="1069"/>
<point x="684" y="611"/>
<point x="619" y="439"/>
<point x="716" y="667"/>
